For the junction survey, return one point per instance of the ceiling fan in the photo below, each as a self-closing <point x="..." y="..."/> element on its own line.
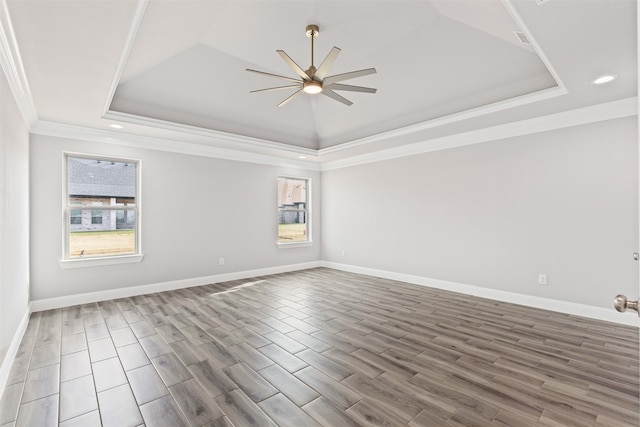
<point x="315" y="80"/>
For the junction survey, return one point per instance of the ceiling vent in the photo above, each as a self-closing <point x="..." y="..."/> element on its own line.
<point x="522" y="37"/>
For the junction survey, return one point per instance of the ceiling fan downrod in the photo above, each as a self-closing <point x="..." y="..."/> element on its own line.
<point x="312" y="31"/>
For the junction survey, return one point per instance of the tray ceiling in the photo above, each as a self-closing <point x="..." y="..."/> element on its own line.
<point x="176" y="69"/>
<point x="186" y="65"/>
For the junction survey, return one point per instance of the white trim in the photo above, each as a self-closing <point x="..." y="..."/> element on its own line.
<point x="160" y="144"/>
<point x="293" y="245"/>
<point x="581" y="116"/>
<point x="508" y="4"/>
<point x="448" y="119"/>
<point x="109" y="114"/>
<point x="133" y="32"/>
<point x="638" y="123"/>
<point x="585" y="115"/>
<point x="394" y="133"/>
<point x="7" y="362"/>
<point x="597" y="313"/>
<point x="592" y="312"/>
<point x="207" y="133"/>
<point x="308" y="210"/>
<point x="101" y="261"/>
<point x="517" y="101"/>
<point x="558" y="90"/>
<point x="11" y="63"/>
<point x="90" y="297"/>
<point x="66" y="261"/>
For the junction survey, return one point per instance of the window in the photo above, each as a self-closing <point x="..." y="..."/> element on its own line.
<point x="293" y="210"/>
<point x="101" y="207"/>
<point x="96" y="217"/>
<point x="76" y="216"/>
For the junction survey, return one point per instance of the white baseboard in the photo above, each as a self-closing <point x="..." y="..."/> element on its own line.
<point x="90" y="297"/>
<point x="7" y="361"/>
<point x="598" y="313"/>
<point x="592" y="312"/>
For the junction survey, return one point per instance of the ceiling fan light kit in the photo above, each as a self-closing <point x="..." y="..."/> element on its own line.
<point x="313" y="87"/>
<point x="314" y="80"/>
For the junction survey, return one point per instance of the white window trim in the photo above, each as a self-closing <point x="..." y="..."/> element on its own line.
<point x="293" y="245"/>
<point x="308" y="209"/>
<point x="66" y="262"/>
<point x="96" y="262"/>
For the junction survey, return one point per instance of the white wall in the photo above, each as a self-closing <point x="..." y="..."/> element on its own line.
<point x="14" y="220"/>
<point x="495" y="215"/>
<point x="195" y="210"/>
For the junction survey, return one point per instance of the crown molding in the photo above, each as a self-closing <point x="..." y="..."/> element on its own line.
<point x="277" y="152"/>
<point x="541" y="95"/>
<point x="451" y="118"/>
<point x="133" y="31"/>
<point x="214" y="135"/>
<point x="395" y="133"/>
<point x="544" y="94"/>
<point x="592" y="114"/>
<point x="109" y="114"/>
<point x="581" y="116"/>
<point x="61" y="130"/>
<point x="508" y="4"/>
<point x="11" y="63"/>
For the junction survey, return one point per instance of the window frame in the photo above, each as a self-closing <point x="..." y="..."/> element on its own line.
<point x="89" y="261"/>
<point x="307" y="210"/>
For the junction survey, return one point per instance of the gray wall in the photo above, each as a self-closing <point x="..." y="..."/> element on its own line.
<point x="194" y="211"/>
<point x="495" y="215"/>
<point x="14" y="217"/>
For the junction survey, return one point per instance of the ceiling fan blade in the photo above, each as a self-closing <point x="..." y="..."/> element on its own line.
<point x="290" y="98"/>
<point x="339" y="86"/>
<point x="323" y="69"/>
<point x="290" y="79"/>
<point x="331" y="94"/>
<point x="347" y="76"/>
<point x="295" y="67"/>
<point x="276" y="88"/>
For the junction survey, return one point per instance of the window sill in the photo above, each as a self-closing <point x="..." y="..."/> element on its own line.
<point x="293" y="245"/>
<point x="96" y="262"/>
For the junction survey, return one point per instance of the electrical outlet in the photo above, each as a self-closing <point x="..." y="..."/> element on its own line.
<point x="221" y="261"/>
<point x="542" y="279"/>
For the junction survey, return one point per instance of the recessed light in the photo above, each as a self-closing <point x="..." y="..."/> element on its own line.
<point x="115" y="126"/>
<point x="605" y="78"/>
<point x="302" y="157"/>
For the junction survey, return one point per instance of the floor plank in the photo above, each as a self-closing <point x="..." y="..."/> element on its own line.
<point x="77" y="397"/>
<point x="118" y="408"/>
<point x="320" y="347"/>
<point x="195" y="403"/>
<point x="286" y="413"/>
<point x="163" y="412"/>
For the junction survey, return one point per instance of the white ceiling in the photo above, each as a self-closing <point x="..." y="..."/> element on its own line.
<point x="176" y="69"/>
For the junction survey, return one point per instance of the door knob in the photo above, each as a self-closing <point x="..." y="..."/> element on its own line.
<point x="621" y="303"/>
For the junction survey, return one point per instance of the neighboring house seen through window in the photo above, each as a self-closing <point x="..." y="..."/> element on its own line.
<point x="293" y="210"/>
<point x="101" y="207"/>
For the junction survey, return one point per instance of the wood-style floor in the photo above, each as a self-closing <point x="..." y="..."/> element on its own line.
<point x="320" y="347"/>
